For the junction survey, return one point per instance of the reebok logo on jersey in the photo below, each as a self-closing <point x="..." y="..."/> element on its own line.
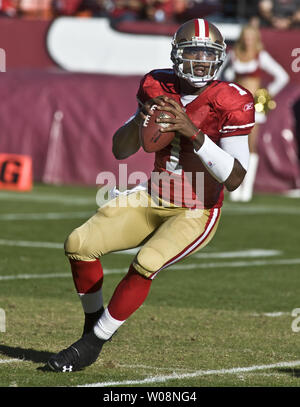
<point x="248" y="106"/>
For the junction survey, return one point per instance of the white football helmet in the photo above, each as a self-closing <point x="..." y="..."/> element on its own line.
<point x="198" y="51"/>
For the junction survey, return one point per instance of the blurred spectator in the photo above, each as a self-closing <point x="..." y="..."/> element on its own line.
<point x="265" y="12"/>
<point x="35" y="8"/>
<point x="283" y="11"/>
<point x="280" y="14"/>
<point x="180" y="8"/>
<point x="8" y="8"/>
<point x="162" y="11"/>
<point x="159" y="11"/>
<point x="117" y="10"/>
<point x="93" y="8"/>
<point x="284" y="7"/>
<point x="244" y="65"/>
<point x="208" y="9"/>
<point x="296" y="19"/>
<point x="99" y="8"/>
<point x="238" y="10"/>
<point x="65" y="7"/>
<point x="126" y="10"/>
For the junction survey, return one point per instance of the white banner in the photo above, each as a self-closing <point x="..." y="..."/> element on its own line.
<point x="91" y="45"/>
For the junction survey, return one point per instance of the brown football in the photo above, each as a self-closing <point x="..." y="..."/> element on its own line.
<point x="150" y="137"/>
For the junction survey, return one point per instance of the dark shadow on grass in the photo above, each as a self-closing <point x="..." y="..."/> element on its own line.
<point x="290" y="371"/>
<point x="32" y="355"/>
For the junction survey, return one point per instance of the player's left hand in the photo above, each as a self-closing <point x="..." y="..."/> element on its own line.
<point x="180" y="123"/>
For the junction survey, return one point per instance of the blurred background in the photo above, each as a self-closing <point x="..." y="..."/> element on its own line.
<point x="71" y="69"/>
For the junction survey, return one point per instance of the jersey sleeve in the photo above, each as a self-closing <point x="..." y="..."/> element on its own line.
<point x="155" y="83"/>
<point x="149" y="88"/>
<point x="236" y="111"/>
<point x="142" y="91"/>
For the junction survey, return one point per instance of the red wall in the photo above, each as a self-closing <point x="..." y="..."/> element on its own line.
<point x="93" y="107"/>
<point x="25" y="43"/>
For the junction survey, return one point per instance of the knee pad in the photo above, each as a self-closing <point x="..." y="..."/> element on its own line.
<point x="72" y="243"/>
<point x="76" y="249"/>
<point x="148" y="261"/>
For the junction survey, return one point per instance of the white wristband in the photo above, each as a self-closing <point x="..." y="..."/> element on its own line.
<point x="217" y="161"/>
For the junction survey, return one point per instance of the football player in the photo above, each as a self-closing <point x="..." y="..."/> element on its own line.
<point x="216" y="146"/>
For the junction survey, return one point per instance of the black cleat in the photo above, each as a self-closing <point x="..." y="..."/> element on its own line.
<point x="79" y="355"/>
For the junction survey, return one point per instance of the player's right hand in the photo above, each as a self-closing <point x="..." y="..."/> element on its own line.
<point x="145" y="108"/>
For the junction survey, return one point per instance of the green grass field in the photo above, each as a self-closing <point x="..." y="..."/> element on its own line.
<point x="219" y="318"/>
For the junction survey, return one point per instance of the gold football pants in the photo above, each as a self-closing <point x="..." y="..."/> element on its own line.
<point x="165" y="234"/>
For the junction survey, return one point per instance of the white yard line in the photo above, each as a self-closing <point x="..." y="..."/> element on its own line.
<point x="233" y="264"/>
<point x="84" y="214"/>
<point x="197" y="373"/>
<point x="175" y="375"/>
<point x="260" y="210"/>
<point x="48" y="198"/>
<point x="34" y="276"/>
<point x="55" y="275"/>
<point x="235" y="254"/>
<point x="230" y="208"/>
<point x="215" y="255"/>
<point x="47" y="245"/>
<point x="223" y="255"/>
<point x="26" y="243"/>
<point x="178" y="267"/>
<point x="173" y="369"/>
<point x="45" y="216"/>
<point x="274" y="314"/>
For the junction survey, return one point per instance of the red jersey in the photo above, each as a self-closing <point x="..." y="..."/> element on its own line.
<point x="231" y="113"/>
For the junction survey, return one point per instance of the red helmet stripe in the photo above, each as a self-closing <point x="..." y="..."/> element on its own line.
<point x="197" y="29"/>
<point x="206" y="28"/>
<point x="201" y="28"/>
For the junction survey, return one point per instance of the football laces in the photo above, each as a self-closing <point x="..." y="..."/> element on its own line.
<point x="147" y="118"/>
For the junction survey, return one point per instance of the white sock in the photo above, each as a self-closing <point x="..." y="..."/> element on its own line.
<point x="91" y="302"/>
<point x="249" y="179"/>
<point x="107" y="325"/>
